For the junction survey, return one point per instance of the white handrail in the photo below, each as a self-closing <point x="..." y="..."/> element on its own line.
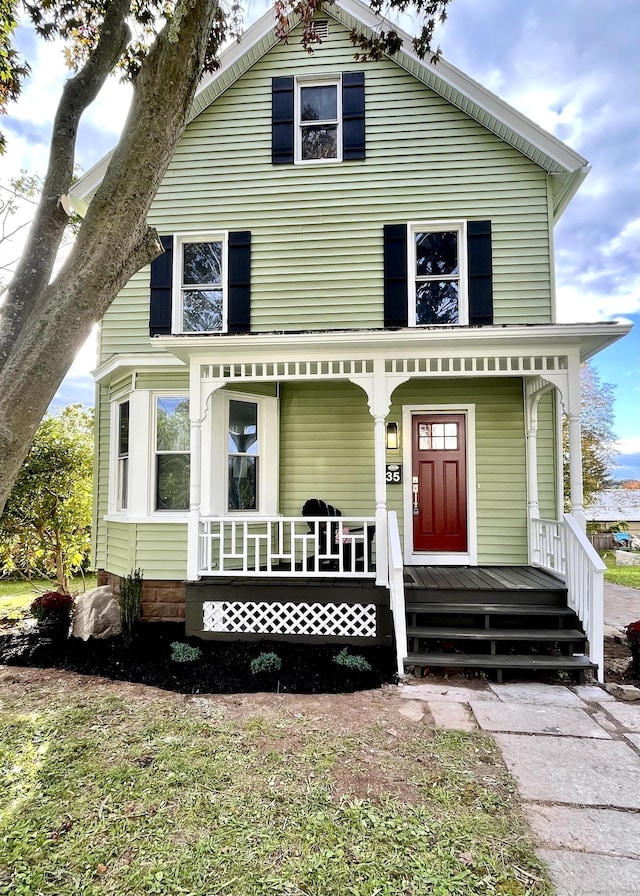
<point x="563" y="549"/>
<point x="585" y="587"/>
<point x="396" y="590"/>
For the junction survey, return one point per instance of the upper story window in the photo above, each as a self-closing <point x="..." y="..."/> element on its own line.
<point x="200" y="284"/>
<point x="319" y="121"/>
<point x="437" y="274"/>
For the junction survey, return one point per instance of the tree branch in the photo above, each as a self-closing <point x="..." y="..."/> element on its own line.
<point x="50" y="219"/>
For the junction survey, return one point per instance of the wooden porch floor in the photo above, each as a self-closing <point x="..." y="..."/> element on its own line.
<point x="479" y="578"/>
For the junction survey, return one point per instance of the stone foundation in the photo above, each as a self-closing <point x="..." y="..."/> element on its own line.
<point x="162" y="601"/>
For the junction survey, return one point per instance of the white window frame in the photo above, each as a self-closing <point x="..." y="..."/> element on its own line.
<point x="122" y="460"/>
<point x="154" y="511"/>
<point x="329" y="81"/>
<point x="180" y="240"/>
<point x="415" y="227"/>
<point x="215" y="475"/>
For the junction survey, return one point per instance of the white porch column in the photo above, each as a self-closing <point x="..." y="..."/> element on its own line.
<point x="575" y="470"/>
<point x="379" y="388"/>
<point x="195" y="470"/>
<point x="573" y="409"/>
<point x="382" y="559"/>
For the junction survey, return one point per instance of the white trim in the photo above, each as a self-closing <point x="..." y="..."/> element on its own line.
<point x="178" y="287"/>
<point x="215" y="456"/>
<point x="424" y="558"/>
<point x="456" y="341"/>
<point x="159" y="360"/>
<point x="317" y="81"/>
<point x="460" y="227"/>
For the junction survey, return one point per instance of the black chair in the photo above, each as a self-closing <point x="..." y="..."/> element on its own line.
<point x="329" y="541"/>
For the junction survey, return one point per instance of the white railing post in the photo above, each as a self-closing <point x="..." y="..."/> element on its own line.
<point x="396" y="590"/>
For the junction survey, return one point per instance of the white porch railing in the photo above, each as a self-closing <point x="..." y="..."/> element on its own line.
<point x="286" y="546"/>
<point x="562" y="548"/>
<point x="396" y="590"/>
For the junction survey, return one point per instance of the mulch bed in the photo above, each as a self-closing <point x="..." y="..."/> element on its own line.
<point x="223" y="668"/>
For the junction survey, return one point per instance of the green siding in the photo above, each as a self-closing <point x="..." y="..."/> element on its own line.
<point x="326" y="448"/>
<point x="159" y="550"/>
<point x="317" y="230"/>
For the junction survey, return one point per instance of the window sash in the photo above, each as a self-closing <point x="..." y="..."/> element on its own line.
<point x="437" y="296"/>
<point x="172" y="460"/>
<point x="202" y="304"/>
<point x="122" y="476"/>
<point x="318" y="140"/>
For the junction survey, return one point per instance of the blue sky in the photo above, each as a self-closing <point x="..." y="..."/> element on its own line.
<point x="571" y="66"/>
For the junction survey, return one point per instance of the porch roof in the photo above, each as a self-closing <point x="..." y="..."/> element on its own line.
<point x="503" y="350"/>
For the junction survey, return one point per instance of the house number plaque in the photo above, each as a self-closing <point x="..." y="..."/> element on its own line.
<point x="393" y="473"/>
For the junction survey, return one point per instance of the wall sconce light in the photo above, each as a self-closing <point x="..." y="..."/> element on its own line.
<point x="392" y="436"/>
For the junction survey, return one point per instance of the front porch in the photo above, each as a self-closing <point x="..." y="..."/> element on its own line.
<point x="492" y="620"/>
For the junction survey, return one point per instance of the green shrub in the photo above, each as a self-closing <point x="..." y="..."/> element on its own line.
<point x="355" y="662"/>
<point x="184" y="653"/>
<point x="130" y="603"/>
<point x="265" y="663"/>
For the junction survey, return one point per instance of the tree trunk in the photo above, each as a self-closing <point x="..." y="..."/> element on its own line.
<point x="114" y="240"/>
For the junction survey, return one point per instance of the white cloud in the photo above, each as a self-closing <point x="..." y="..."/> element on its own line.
<point x="628" y="446"/>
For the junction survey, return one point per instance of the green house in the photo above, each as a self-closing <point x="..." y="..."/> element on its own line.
<point x="354" y="317"/>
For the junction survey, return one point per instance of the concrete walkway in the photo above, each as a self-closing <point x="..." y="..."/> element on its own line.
<point x="575" y="754"/>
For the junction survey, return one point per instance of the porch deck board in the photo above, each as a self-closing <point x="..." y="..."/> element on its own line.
<point x="486" y="578"/>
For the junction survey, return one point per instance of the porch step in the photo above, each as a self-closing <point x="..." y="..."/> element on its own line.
<point x="496" y="619"/>
<point x="480" y="608"/>
<point x="498" y="634"/>
<point x="576" y="663"/>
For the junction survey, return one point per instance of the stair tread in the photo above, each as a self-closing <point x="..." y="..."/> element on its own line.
<point x="483" y="609"/>
<point x="495" y="661"/>
<point x="497" y="634"/>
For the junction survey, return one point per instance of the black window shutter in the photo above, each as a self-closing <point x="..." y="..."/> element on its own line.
<point x="161" y="282"/>
<point x="239" y="306"/>
<point x="281" y="121"/>
<point x="395" y="276"/>
<point x="480" y="272"/>
<point x="353" y="130"/>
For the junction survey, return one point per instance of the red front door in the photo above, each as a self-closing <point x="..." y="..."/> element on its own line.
<point x="439" y="482"/>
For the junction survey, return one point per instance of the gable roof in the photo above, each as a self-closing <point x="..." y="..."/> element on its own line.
<point x="567" y="167"/>
<point x="615" y="504"/>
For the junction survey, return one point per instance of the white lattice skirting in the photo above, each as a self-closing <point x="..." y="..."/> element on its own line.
<point x="253" y="617"/>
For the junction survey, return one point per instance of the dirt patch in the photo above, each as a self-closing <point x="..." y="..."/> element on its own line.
<point x="617" y="661"/>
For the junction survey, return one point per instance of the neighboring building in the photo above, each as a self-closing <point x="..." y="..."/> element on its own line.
<point x="616" y="505"/>
<point x="356" y="303"/>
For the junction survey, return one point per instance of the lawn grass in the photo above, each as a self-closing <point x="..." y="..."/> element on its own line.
<point x="15" y="596"/>
<point x="107" y="794"/>
<point x="620" y="575"/>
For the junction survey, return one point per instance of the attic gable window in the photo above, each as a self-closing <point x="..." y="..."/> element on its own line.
<point x="200" y="284"/>
<point x="319" y="121"/>
<point x="438" y="281"/>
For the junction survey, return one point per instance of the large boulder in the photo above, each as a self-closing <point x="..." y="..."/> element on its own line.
<point x="96" y="614"/>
